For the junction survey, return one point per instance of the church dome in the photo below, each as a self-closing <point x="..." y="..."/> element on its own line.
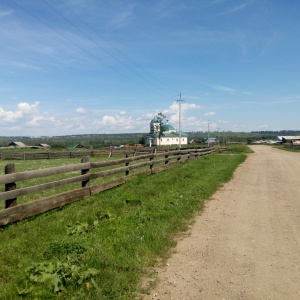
<point x="168" y="127"/>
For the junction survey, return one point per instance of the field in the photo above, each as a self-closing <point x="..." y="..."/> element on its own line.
<point x="101" y="247"/>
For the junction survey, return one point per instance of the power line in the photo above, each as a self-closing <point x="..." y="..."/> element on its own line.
<point x="93" y="41"/>
<point x="78" y="45"/>
<point x="109" y="43"/>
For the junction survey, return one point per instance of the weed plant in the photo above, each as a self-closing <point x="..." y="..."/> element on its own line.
<point x="101" y="247"/>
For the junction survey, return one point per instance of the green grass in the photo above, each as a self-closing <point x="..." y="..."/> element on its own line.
<point x="101" y="247"/>
<point x="291" y="149"/>
<point x="237" y="148"/>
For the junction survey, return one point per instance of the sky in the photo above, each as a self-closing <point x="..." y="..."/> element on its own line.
<point x="95" y="66"/>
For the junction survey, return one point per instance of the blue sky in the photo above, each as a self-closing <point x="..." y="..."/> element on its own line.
<point x="95" y="66"/>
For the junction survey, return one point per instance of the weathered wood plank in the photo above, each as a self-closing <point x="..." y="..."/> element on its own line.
<point x="106" y="185"/>
<point x="22" y="211"/>
<point x="7" y="178"/>
<point x="42" y="187"/>
<point x="11" y="201"/>
<point x="109" y="172"/>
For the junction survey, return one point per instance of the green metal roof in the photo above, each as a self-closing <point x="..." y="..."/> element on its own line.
<point x="168" y="127"/>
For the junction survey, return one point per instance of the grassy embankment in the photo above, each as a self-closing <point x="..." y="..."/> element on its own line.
<point x="101" y="247"/>
<point x="291" y="149"/>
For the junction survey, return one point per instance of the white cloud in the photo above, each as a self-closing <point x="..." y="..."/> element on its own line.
<point x="123" y="17"/>
<point x="115" y="123"/>
<point x="108" y="120"/>
<point x="235" y="9"/>
<point x="27" y="119"/>
<point x="246" y="93"/>
<point x="23" y="109"/>
<point x="5" y="13"/>
<point x="264" y="126"/>
<point x="81" y="110"/>
<point x="223" y="88"/>
<point x="226" y="89"/>
<point x="24" y="66"/>
<point x="36" y="120"/>
<point x="210" y="113"/>
<point x="44" y="121"/>
<point x="28" y="108"/>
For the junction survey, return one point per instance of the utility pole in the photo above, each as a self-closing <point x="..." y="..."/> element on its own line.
<point x="179" y="102"/>
<point x="208" y="133"/>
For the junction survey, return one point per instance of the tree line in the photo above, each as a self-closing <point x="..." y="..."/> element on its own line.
<point x="98" y="141"/>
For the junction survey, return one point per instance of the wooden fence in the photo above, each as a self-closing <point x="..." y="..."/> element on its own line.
<point x="89" y="171"/>
<point x="59" y="154"/>
<point x="36" y="154"/>
<point x="292" y="146"/>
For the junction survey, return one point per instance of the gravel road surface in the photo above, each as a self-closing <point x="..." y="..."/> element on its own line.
<point x="246" y="243"/>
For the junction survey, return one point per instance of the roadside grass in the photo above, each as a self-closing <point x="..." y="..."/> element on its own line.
<point x="291" y="149"/>
<point x="237" y="148"/>
<point x="101" y="247"/>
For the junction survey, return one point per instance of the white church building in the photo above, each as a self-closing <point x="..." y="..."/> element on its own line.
<point x="164" y="135"/>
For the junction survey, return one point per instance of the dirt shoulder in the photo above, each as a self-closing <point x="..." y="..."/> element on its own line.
<point x="246" y="244"/>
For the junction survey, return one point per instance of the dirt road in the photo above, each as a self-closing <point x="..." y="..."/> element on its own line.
<point x="246" y="244"/>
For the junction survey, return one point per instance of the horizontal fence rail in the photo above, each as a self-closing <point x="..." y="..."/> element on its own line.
<point x="291" y="145"/>
<point x="35" y="154"/>
<point x="89" y="171"/>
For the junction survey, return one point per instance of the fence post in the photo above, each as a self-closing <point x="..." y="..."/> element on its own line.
<point x="127" y="164"/>
<point x="85" y="183"/>
<point x="151" y="159"/>
<point x="10" y="168"/>
<point x="196" y="155"/>
<point x="178" y="155"/>
<point x="166" y="157"/>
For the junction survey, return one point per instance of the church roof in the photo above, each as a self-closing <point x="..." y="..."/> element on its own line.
<point x="168" y="127"/>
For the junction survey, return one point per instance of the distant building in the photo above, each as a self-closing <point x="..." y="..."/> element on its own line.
<point x="17" y="145"/>
<point x="79" y="146"/>
<point x="288" y="139"/>
<point x="43" y="146"/>
<point x="211" y="140"/>
<point x="163" y="134"/>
